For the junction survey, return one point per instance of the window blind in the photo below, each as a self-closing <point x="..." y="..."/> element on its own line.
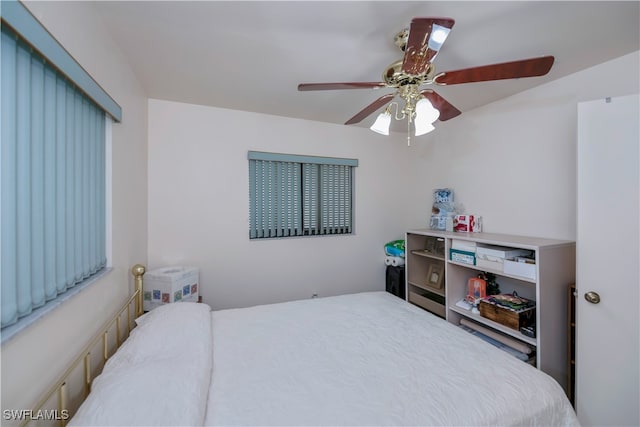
<point x="52" y="181"/>
<point x="292" y="195"/>
<point x="17" y="16"/>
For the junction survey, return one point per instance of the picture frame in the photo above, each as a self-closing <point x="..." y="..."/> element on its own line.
<point x="430" y="245"/>
<point x="435" y="276"/>
<point x="439" y="246"/>
<point x="434" y="245"/>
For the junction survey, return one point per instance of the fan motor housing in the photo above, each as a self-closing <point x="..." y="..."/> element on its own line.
<point x="393" y="76"/>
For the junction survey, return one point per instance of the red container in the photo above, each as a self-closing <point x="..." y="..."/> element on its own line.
<point x="467" y="223"/>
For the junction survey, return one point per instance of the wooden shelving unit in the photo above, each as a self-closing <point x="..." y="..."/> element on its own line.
<point x="422" y="263"/>
<point x="554" y="271"/>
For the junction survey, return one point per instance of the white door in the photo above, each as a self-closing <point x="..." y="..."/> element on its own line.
<point x="607" y="332"/>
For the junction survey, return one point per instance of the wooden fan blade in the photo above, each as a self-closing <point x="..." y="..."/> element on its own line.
<point x="424" y="43"/>
<point x="507" y="70"/>
<point x="332" y="86"/>
<point x="369" y="109"/>
<point x="447" y="111"/>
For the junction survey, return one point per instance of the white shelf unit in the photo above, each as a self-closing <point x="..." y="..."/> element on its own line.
<point x="555" y="270"/>
<point x="419" y="263"/>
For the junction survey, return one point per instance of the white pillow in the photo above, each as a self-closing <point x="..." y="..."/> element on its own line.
<point x="166" y="332"/>
<point x="172" y="312"/>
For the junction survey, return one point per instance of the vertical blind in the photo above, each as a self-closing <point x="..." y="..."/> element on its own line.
<point x="292" y="195"/>
<point x="52" y="181"/>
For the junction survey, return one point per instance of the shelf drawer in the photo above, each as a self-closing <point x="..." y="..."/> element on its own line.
<point x="427" y="304"/>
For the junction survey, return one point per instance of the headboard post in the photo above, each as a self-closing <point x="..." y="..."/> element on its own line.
<point x="138" y="271"/>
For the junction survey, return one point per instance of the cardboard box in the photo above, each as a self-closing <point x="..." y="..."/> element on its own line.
<point x="462" y="256"/>
<point x="520" y="268"/>
<point x="170" y="284"/>
<point x="489" y="265"/>
<point x="463" y="245"/>
<point x="467" y="223"/>
<point x="499" y="253"/>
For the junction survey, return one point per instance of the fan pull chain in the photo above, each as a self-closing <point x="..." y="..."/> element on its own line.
<point x="409" y="132"/>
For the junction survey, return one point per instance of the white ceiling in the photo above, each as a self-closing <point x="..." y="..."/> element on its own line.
<point x="251" y="55"/>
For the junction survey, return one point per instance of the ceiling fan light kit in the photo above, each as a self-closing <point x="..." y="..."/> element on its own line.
<point x="423" y="129"/>
<point x="422" y="114"/>
<point x="438" y="36"/>
<point x="382" y="123"/>
<point x="420" y="43"/>
<point x="426" y="115"/>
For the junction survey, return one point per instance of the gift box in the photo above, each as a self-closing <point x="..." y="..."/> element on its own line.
<point x="169" y="285"/>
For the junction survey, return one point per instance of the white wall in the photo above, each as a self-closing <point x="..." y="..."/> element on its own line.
<point x="38" y="355"/>
<point x="514" y="161"/>
<point x="198" y="205"/>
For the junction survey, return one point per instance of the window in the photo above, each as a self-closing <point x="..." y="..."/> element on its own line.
<point x="53" y="169"/>
<point x="291" y="195"/>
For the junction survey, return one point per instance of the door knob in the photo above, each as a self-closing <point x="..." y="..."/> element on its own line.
<point x="592" y="297"/>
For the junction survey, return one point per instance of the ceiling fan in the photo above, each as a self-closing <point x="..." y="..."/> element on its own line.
<point x="420" y="43"/>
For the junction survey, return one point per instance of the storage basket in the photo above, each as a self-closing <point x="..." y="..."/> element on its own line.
<point x="509" y="318"/>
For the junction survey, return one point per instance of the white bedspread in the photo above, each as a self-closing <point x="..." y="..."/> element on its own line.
<point x="368" y="359"/>
<point x="159" y="377"/>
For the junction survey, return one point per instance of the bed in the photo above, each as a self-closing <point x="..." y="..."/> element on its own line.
<point x="360" y="359"/>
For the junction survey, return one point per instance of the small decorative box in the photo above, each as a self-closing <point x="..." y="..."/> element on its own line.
<point x="171" y="284"/>
<point x="521" y="313"/>
<point x="462" y="256"/>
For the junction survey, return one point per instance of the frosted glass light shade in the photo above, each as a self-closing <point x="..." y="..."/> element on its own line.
<point x="423" y="127"/>
<point x="382" y="123"/>
<point x="425" y="111"/>
<point x="438" y="36"/>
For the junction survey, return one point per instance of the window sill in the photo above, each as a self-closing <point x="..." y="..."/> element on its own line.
<point x="11" y="331"/>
